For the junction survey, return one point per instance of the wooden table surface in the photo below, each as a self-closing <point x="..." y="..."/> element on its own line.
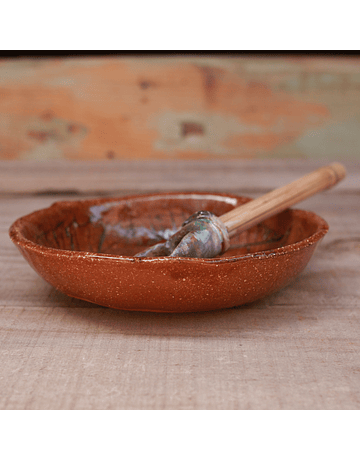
<point x="296" y="349"/>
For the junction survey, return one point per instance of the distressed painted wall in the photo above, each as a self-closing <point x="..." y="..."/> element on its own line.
<point x="171" y="107"/>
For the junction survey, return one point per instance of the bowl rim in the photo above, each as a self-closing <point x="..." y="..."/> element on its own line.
<point x="17" y="237"/>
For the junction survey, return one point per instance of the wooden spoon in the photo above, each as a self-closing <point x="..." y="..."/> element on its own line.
<point x="205" y="235"/>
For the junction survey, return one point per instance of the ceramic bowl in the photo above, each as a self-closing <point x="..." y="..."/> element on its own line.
<point x="85" y="249"/>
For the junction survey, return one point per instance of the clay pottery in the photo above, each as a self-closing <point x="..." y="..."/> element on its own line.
<point x="85" y="249"/>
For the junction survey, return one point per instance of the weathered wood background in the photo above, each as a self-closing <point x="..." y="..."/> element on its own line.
<point x="296" y="349"/>
<point x="180" y="107"/>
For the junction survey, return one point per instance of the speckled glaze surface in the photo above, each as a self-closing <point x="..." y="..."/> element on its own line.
<point x="85" y="249"/>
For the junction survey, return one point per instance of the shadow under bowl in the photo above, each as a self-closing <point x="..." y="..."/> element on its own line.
<point x="85" y="249"/>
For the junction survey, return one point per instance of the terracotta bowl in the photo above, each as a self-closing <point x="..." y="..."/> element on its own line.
<point x="85" y="249"/>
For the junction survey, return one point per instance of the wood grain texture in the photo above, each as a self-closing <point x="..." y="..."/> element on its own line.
<point x="296" y="349"/>
<point x="104" y="178"/>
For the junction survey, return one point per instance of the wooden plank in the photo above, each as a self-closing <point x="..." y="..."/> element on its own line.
<point x="296" y="349"/>
<point x="73" y="356"/>
<point x="118" y="176"/>
<point x="179" y="107"/>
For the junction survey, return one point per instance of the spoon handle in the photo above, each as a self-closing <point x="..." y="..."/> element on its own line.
<point x="274" y="202"/>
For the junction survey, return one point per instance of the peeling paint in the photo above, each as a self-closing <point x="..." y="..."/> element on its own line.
<point x="42" y="137"/>
<point x="178" y="107"/>
<point x="216" y="130"/>
<point x="334" y="140"/>
<point x="49" y="150"/>
<point x="210" y="76"/>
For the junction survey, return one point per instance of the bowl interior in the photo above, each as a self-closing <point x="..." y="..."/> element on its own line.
<point x="125" y="226"/>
